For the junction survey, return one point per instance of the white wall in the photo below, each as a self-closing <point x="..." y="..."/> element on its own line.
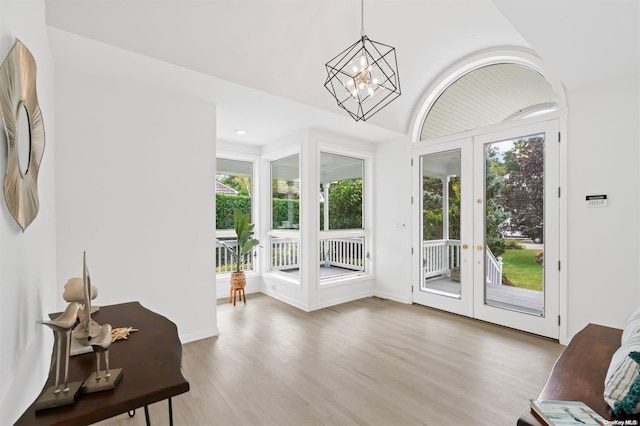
<point x="392" y="254"/>
<point x="135" y="189"/>
<point x="603" y="251"/>
<point x="27" y="260"/>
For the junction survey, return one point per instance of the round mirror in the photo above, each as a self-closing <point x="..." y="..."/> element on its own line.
<point x="23" y="139"/>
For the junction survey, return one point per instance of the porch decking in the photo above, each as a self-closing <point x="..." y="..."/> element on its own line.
<point x="519" y="299"/>
<point x="325" y="271"/>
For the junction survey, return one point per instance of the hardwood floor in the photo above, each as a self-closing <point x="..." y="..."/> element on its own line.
<point x="368" y="362"/>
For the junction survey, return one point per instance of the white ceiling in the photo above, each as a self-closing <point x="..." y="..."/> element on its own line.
<point x="262" y="61"/>
<point x="581" y="41"/>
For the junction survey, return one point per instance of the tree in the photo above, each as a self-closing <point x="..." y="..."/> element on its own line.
<point x="285" y="203"/>
<point x="454" y="207"/>
<point x="432" y="208"/>
<point x="345" y="204"/>
<point x="242" y="184"/>
<point x="524" y="189"/>
<point x="496" y="216"/>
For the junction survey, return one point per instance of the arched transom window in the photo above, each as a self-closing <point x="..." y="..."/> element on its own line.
<point x="486" y="96"/>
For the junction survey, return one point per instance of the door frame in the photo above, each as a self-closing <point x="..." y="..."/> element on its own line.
<point x="440" y="144"/>
<point x="546" y="325"/>
<point x="464" y="304"/>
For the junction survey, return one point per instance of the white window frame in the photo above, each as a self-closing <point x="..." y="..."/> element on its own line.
<point x="367" y="225"/>
<point x="230" y="233"/>
<point x="283" y="233"/>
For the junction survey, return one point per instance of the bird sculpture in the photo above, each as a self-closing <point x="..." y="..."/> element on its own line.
<point x="101" y="343"/>
<point x="88" y="328"/>
<point x="63" y="324"/>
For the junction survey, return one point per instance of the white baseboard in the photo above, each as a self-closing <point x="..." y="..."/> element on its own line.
<point x="332" y="302"/>
<point x="392" y="296"/>
<point x="199" y="335"/>
<point x="287" y="300"/>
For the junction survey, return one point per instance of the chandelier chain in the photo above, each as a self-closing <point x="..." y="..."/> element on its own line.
<point x="362" y="18"/>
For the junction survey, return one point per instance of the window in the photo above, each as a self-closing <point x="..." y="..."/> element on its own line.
<point x="285" y="215"/>
<point x="234" y="180"/>
<point x="234" y="183"/>
<point x="285" y="197"/>
<point x="342" y="241"/>
<point x="489" y="95"/>
<point x="340" y="192"/>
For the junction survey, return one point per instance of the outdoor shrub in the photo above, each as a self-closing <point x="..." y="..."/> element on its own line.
<point x="496" y="245"/>
<point x="225" y="204"/>
<point x="514" y="245"/>
<point x="281" y="208"/>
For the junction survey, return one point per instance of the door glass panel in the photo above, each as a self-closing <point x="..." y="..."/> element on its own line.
<point x="514" y="224"/>
<point x="441" y="223"/>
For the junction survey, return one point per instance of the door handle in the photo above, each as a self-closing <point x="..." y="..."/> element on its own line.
<point x="478" y="247"/>
<point x="464" y="247"/>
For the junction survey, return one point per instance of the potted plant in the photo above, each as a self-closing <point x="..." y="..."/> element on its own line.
<point x="243" y="246"/>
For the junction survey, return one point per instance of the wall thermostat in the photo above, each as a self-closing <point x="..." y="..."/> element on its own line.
<point x="596" y="200"/>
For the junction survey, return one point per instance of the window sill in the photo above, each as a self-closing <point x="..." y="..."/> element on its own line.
<point x="345" y="280"/>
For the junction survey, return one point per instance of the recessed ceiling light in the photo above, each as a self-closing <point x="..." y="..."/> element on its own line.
<point x="241" y="132"/>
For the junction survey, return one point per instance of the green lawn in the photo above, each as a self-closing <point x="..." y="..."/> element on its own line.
<point x="521" y="268"/>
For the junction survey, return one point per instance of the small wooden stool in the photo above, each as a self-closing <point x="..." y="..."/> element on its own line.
<point x="233" y="291"/>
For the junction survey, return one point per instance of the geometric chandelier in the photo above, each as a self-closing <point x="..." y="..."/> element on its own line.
<point x="364" y="77"/>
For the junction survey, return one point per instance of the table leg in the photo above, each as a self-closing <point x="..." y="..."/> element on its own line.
<point x="146" y="413"/>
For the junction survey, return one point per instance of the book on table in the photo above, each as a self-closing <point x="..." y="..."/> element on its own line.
<point x="564" y="413"/>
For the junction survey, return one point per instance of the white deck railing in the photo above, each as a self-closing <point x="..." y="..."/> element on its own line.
<point x="440" y="256"/>
<point x="225" y="262"/>
<point x="345" y="253"/>
<point x="285" y="253"/>
<point x="494" y="268"/>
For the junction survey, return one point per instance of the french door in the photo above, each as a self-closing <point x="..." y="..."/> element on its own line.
<point x="488" y="219"/>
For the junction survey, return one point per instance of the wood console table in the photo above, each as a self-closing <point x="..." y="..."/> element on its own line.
<point x="151" y="360"/>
